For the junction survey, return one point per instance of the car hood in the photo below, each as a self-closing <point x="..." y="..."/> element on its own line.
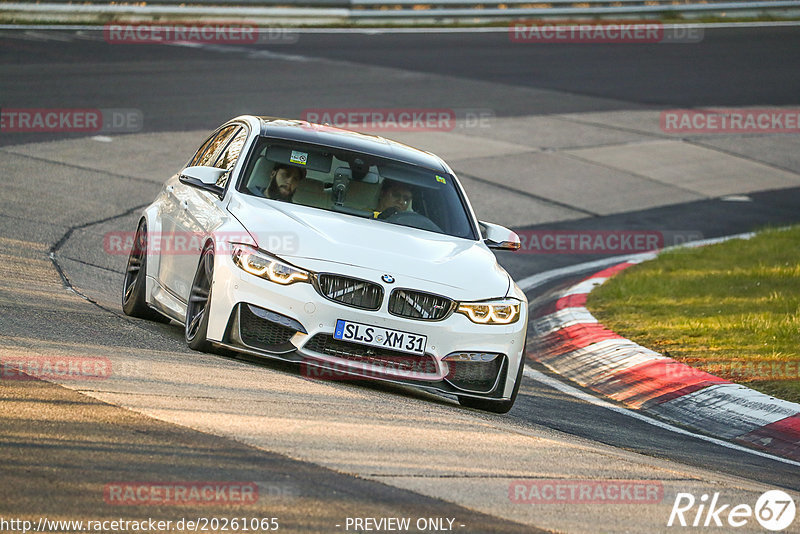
<point x="300" y="233"/>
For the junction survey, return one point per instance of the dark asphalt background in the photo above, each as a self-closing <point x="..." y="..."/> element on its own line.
<point x="180" y="88"/>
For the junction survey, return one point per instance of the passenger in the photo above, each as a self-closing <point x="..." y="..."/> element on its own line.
<point x="394" y="197"/>
<point x="283" y="182"/>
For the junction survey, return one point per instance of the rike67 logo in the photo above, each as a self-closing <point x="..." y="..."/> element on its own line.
<point x="774" y="510"/>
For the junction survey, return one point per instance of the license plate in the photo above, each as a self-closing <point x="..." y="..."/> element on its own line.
<point x="377" y="336"/>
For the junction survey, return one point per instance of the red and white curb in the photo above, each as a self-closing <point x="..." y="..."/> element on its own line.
<point x="566" y="338"/>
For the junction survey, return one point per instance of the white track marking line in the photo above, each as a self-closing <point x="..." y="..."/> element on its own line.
<point x="538" y="279"/>
<point x="591" y="399"/>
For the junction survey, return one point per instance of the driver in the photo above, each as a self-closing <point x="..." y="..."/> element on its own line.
<point x="394" y="197"/>
<point x="283" y="182"/>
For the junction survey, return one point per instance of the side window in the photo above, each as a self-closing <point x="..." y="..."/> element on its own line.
<point x="216" y="145"/>
<point x="228" y="158"/>
<point x="201" y="151"/>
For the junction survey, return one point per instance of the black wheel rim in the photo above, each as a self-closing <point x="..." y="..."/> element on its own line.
<point x="135" y="262"/>
<point x="198" y="297"/>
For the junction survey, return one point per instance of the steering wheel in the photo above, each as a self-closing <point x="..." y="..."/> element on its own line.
<point x="409" y="218"/>
<point x="388" y="212"/>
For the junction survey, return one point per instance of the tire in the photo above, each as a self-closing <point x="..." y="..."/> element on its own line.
<point x="134" y="286"/>
<point x="196" y="326"/>
<point x="496" y="406"/>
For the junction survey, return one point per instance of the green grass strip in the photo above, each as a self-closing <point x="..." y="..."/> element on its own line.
<point x="731" y="309"/>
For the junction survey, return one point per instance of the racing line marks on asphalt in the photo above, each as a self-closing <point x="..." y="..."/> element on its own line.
<point x="642" y="177"/>
<point x="79" y="167"/>
<point x="529" y="195"/>
<point x="64" y="238"/>
<point x="249" y="52"/>
<point x="698" y="142"/>
<point x="608" y="126"/>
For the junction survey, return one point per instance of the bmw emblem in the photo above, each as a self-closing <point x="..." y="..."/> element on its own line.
<point x="389" y="279"/>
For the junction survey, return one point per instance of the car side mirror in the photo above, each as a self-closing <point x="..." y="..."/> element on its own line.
<point x="204" y="178"/>
<point x="499" y="237"/>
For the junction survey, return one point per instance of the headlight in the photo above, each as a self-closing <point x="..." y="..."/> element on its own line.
<point x="493" y="312"/>
<point x="266" y="266"/>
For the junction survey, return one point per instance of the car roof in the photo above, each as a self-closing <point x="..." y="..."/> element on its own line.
<point x="324" y="135"/>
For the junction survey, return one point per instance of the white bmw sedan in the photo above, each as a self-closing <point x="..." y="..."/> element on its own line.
<point x="350" y="254"/>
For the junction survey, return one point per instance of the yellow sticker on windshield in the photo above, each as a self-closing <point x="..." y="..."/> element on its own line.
<point x="440" y="179"/>
<point x="301" y="158"/>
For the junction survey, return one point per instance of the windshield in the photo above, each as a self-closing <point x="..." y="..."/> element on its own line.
<point x="356" y="184"/>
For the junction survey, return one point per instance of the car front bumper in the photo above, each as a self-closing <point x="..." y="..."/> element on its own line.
<point x="296" y="323"/>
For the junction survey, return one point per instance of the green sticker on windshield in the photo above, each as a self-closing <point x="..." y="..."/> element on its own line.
<point x="301" y="158"/>
<point x="440" y="179"/>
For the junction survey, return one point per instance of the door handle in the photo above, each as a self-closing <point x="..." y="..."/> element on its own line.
<point x="170" y="188"/>
<point x="184" y="205"/>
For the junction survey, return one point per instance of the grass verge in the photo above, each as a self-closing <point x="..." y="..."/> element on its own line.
<point x="731" y="309"/>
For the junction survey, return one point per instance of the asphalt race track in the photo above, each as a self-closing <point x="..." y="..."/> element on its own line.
<point x="570" y="139"/>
